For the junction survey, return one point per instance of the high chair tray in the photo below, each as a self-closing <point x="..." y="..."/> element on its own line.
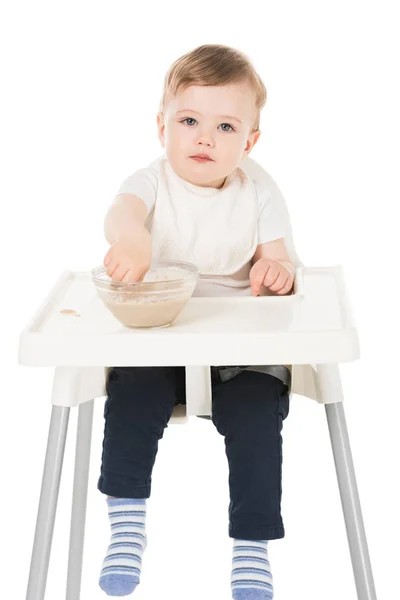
<point x="313" y="325"/>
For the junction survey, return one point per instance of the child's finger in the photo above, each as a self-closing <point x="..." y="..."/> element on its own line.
<point x="118" y="273"/>
<point x="124" y="276"/>
<point x="287" y="287"/>
<point x="131" y="276"/>
<point x="107" y="259"/>
<point x="279" y="282"/>
<point x="271" y="277"/>
<point x="279" y="289"/>
<point x="112" y="265"/>
<point x="257" y="276"/>
<point x="255" y="286"/>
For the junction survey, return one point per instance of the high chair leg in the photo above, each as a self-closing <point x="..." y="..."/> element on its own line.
<point x="79" y="500"/>
<point x="48" y="503"/>
<point x="350" y="501"/>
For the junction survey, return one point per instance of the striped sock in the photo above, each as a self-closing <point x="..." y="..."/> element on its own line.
<point x="122" y="565"/>
<point x="251" y="571"/>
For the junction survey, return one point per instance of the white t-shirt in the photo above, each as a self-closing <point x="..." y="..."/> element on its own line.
<point x="216" y="229"/>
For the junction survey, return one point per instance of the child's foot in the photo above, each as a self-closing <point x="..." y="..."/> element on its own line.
<point x="251" y="573"/>
<point x="122" y="566"/>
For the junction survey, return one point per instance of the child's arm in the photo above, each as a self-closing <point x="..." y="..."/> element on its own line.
<point x="129" y="257"/>
<point x="127" y="213"/>
<point x="272" y="268"/>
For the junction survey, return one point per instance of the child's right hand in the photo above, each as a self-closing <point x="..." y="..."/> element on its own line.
<point x="129" y="258"/>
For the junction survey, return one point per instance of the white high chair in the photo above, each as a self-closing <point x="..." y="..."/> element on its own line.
<point x="311" y="330"/>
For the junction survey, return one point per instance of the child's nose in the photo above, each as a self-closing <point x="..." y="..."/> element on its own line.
<point x="205" y="139"/>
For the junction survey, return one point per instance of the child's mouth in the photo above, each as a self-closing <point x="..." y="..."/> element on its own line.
<point x="202" y="158"/>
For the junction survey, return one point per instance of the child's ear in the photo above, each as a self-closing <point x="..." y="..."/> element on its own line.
<point x="251" y="142"/>
<point x="161" y="128"/>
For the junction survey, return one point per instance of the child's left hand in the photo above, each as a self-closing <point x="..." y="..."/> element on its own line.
<point x="273" y="274"/>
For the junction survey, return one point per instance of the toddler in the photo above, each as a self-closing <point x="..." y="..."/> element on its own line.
<point x="198" y="204"/>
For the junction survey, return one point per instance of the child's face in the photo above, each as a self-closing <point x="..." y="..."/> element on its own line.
<point x="214" y="121"/>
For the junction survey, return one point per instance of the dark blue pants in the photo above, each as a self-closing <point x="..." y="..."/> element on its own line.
<point x="248" y="410"/>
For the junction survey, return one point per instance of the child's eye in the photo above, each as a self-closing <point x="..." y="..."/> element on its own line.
<point x="226" y="127"/>
<point x="189" y="121"/>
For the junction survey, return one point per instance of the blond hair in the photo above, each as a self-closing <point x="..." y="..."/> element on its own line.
<point x="214" y="65"/>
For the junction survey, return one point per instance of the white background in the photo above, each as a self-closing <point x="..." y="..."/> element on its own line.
<point x="81" y="83"/>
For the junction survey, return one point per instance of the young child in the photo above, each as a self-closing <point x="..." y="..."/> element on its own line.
<point x="197" y="204"/>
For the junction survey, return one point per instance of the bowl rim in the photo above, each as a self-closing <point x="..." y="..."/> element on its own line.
<point x="191" y="271"/>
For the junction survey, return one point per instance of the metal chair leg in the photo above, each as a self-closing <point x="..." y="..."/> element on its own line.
<point x="79" y="500"/>
<point x="48" y="503"/>
<point x="350" y="501"/>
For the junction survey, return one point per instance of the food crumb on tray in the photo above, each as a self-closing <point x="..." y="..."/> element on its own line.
<point x="69" y="311"/>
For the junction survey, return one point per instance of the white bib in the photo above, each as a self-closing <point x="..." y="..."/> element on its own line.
<point x="215" y="229"/>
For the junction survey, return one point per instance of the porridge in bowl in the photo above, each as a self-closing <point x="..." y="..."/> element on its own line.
<point x="154" y="302"/>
